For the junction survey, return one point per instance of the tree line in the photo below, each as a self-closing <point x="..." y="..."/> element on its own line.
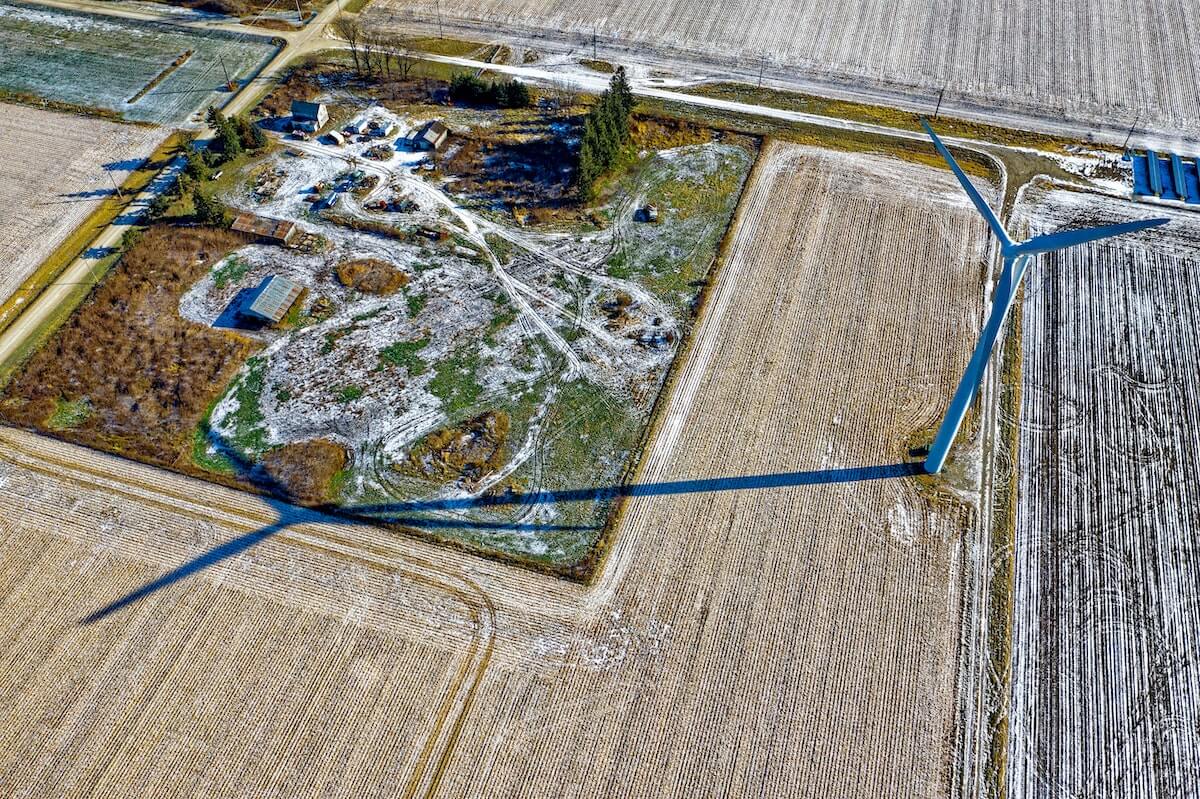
<point x="231" y="137"/>
<point x="606" y="130"/>
<point x="375" y="52"/>
<point x="466" y="88"/>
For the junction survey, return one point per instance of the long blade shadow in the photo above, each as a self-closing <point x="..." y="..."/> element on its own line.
<point x="368" y="514"/>
<point x="703" y="485"/>
<point x="209" y="558"/>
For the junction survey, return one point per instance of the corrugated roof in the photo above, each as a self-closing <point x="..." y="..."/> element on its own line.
<point x="275" y="295"/>
<point x="278" y="229"/>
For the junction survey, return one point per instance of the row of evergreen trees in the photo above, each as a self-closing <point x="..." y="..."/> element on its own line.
<point x="605" y="132"/>
<point x="232" y="136"/>
<point x="466" y="88"/>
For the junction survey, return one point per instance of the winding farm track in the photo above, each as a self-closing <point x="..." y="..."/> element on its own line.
<point x="764" y="642"/>
<point x="1106" y="668"/>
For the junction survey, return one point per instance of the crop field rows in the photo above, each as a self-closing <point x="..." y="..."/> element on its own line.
<point x="56" y="170"/>
<point x="766" y="641"/>
<point x="1105" y="686"/>
<point x="101" y="62"/>
<point x="1038" y="57"/>
<point x="814" y="625"/>
<point x="287" y="666"/>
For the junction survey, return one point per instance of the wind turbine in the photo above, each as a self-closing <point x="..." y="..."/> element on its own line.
<point x="1016" y="260"/>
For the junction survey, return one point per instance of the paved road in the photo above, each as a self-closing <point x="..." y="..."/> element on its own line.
<point x="42" y="308"/>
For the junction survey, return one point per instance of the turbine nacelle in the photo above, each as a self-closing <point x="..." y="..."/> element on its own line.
<point x="1016" y="258"/>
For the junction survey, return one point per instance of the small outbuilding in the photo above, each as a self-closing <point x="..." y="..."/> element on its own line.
<point x="309" y="115"/>
<point x="336" y="138"/>
<point x="272" y="231"/>
<point x="272" y="300"/>
<point x="430" y="136"/>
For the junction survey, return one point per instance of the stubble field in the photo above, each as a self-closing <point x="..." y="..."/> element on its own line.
<point x="57" y="169"/>
<point x="764" y="641"/>
<point x="1078" y="60"/>
<point x="1106" y="691"/>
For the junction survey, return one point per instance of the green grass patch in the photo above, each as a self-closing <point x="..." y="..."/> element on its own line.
<point x="362" y="317"/>
<point x="405" y="354"/>
<point x="349" y="393"/>
<point x="249" y="435"/>
<point x="232" y="271"/>
<point x="451" y="47"/>
<point x="415" y="302"/>
<point x="455" y="382"/>
<point x="69" y="415"/>
<point x="596" y="65"/>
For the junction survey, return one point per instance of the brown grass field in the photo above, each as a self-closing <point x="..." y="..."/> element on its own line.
<point x="53" y="176"/>
<point x="767" y="641"/>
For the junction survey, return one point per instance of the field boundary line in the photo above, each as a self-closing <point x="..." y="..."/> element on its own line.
<point x="439" y="747"/>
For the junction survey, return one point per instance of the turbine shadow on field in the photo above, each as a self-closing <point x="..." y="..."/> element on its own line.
<point x="398" y="512"/>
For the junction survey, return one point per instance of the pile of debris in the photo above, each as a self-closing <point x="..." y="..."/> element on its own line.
<point x="267" y="184"/>
<point x="394" y="204"/>
<point x="467" y="452"/>
<point x="617" y="310"/>
<point x="380" y="152"/>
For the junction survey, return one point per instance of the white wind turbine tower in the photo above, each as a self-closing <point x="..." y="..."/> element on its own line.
<point x="1016" y="260"/>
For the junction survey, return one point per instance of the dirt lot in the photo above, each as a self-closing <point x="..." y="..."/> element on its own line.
<point x="56" y="170"/>
<point x="1052" y="59"/>
<point x="766" y="641"/>
<point x="1106" y="618"/>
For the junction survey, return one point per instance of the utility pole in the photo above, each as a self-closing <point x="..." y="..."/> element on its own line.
<point x="941" y="94"/>
<point x="1129" y="135"/>
<point x="226" y="71"/>
<point x="439" y="13"/>
<point x="115" y="186"/>
<point x="299" y="14"/>
<point x="593" y="42"/>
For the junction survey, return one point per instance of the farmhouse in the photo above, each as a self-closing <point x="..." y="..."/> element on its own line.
<point x="272" y="299"/>
<point x="271" y="231"/>
<point x="308" y="117"/>
<point x="430" y="136"/>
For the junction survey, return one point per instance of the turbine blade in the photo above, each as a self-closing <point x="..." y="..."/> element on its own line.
<point x="968" y="187"/>
<point x="1070" y="238"/>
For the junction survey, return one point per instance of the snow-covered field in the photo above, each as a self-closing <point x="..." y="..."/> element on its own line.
<point x="103" y="62"/>
<point x="1080" y="60"/>
<point x="56" y="169"/>
<point x="1105" y="682"/>
<point x="569" y="333"/>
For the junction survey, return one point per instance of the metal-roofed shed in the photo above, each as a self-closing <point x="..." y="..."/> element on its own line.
<point x="275" y="295"/>
<point x="275" y="231"/>
<point x="430" y="136"/>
